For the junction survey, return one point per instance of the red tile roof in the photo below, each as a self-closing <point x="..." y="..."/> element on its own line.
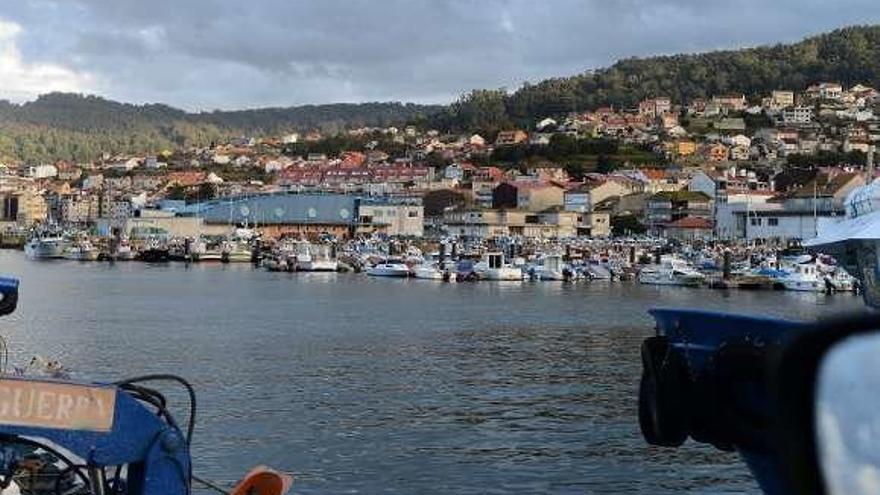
<point x="690" y="223"/>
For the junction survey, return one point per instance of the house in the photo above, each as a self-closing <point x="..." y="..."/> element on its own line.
<point x="528" y="195"/>
<point x="689" y="229"/>
<point x="583" y="198"/>
<point x="42" y="171"/>
<point x="477" y="141"/>
<point x="658" y="180"/>
<point x="511" y="138"/>
<point x="548" y="171"/>
<point x="779" y="99"/>
<point x="740" y="153"/>
<point x="717" y="152"/>
<point x="666" y="207"/>
<point x="683" y="147"/>
<point x="477" y="223"/>
<point x="655" y="107"/>
<point x="730" y="103"/>
<point x="392" y="219"/>
<point x="797" y="115"/>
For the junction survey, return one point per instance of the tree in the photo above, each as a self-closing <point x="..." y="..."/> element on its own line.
<point x="623" y="225"/>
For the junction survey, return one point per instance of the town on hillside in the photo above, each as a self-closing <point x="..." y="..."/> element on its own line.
<point x="726" y="168"/>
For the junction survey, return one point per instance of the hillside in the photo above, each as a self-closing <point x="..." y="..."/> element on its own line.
<point x="69" y="126"/>
<point x="850" y="55"/>
<point x="78" y="127"/>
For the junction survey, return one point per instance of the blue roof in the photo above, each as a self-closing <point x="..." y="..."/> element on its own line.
<point x="324" y="209"/>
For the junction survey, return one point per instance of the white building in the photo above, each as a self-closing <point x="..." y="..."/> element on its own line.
<point x="770" y="221"/>
<point x="393" y="219"/>
<point x="797" y="115"/>
<point x="43" y="171"/>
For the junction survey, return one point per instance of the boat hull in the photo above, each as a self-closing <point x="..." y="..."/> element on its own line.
<point x="503" y="274"/>
<point x="389" y="271"/>
<point x="44" y="250"/>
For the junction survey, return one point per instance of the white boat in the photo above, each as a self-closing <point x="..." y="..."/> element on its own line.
<point x="389" y="269"/>
<point x="433" y="272"/>
<point x="81" y="251"/>
<point x="124" y="251"/>
<point x="493" y="267"/>
<point x="595" y="271"/>
<point x="550" y="268"/>
<point x="671" y="271"/>
<point x="236" y="251"/>
<point x="45" y="247"/>
<point x="314" y="257"/>
<point x="803" y="277"/>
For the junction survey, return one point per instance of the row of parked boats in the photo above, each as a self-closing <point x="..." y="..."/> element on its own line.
<point x="803" y="274"/>
<point x="79" y="247"/>
<point x="684" y="268"/>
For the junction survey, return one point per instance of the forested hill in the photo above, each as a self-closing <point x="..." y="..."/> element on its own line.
<point x="69" y="126"/>
<point x="850" y="55"/>
<point x="78" y="127"/>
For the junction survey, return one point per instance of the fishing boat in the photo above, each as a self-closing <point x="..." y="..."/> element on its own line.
<point x="671" y="271"/>
<point x="389" y="268"/>
<point x="310" y="257"/>
<point x="102" y="438"/>
<point x="493" y="267"/>
<point x="124" y="251"/>
<point x="82" y="251"/>
<point x="154" y="252"/>
<point x="549" y="268"/>
<point x="45" y="246"/>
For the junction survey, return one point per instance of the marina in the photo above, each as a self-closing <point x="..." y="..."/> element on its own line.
<point x="648" y="261"/>
<point x="468" y="387"/>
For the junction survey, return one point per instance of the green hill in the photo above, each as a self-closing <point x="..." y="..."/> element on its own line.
<point x="79" y="127"/>
<point x="850" y="55"/>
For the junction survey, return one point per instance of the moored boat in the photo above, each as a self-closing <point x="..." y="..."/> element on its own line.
<point x="82" y="251"/>
<point x="45" y="247"/>
<point x="389" y="268"/>
<point x="671" y="271"/>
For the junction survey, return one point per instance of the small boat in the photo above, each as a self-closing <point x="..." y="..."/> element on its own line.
<point x="82" y="251"/>
<point x="550" y="268"/>
<point x="803" y="277"/>
<point x="433" y="271"/>
<point x="45" y="247"/>
<point x="671" y="271"/>
<point x="595" y="271"/>
<point x="124" y="251"/>
<point x="310" y="257"/>
<point x="154" y="252"/>
<point x="493" y="267"/>
<point x="389" y="268"/>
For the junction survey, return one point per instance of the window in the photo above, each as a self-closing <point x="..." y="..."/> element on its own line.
<point x="773" y="222"/>
<point x="413" y="214"/>
<point x="756" y="222"/>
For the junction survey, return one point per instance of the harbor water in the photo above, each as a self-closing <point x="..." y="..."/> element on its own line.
<point x="363" y="385"/>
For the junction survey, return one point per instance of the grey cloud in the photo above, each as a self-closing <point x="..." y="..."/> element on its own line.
<point x="227" y="54"/>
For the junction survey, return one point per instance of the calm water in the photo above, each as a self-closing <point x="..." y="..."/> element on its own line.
<point x="362" y="385"/>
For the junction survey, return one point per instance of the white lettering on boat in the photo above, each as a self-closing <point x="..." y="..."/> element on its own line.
<point x="56" y="405"/>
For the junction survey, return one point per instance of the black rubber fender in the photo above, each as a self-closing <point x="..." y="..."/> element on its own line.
<point x="663" y="413"/>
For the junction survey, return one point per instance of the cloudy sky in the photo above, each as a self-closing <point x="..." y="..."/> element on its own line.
<point x="207" y="54"/>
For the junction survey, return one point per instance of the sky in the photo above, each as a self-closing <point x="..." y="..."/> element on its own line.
<point x="230" y="54"/>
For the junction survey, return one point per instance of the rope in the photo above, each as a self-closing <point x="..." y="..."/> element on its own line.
<point x="211" y="485"/>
